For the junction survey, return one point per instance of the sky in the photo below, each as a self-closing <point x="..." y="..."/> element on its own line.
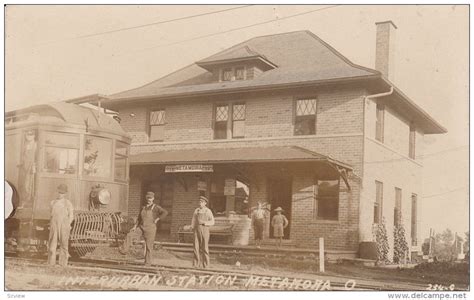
<point x="55" y="53"/>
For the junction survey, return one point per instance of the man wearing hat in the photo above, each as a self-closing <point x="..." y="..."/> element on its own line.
<point x="149" y="216"/>
<point x="62" y="215"/>
<point x="202" y="219"/>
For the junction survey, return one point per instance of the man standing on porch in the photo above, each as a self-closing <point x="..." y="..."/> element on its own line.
<point x="258" y="223"/>
<point x="202" y="219"/>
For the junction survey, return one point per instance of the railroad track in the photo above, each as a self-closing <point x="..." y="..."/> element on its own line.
<point x="217" y="278"/>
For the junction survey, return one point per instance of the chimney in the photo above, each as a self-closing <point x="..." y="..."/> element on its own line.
<point x="385" y="49"/>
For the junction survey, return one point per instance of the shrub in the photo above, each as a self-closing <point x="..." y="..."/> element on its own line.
<point x="400" y="245"/>
<point x="380" y="235"/>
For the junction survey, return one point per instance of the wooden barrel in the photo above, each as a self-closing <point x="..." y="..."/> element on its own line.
<point x="241" y="229"/>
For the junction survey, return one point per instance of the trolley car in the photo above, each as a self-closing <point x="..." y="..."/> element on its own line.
<point x="46" y="145"/>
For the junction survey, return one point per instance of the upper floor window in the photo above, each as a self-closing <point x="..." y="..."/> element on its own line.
<point x="379" y="122"/>
<point x="238" y="120"/>
<point x="227" y="75"/>
<point x="157" y="125"/>
<point x="305" y="117"/>
<point x="230" y="74"/>
<point x="240" y="73"/>
<point x="220" y="122"/>
<point x="412" y="141"/>
<point x="378" y="202"/>
<point x="229" y="121"/>
<point x="327" y="200"/>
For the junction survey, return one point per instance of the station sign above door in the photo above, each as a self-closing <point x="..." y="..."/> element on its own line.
<point x="188" y="168"/>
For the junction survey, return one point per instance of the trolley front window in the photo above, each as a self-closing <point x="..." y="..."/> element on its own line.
<point x="61" y="153"/>
<point x="121" y="155"/>
<point x="97" y="157"/>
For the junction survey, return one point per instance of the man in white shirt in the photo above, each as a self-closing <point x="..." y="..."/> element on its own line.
<point x="202" y="219"/>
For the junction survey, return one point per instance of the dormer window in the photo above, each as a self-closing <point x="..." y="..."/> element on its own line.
<point x="227" y="75"/>
<point x="231" y="74"/>
<point x="239" y="64"/>
<point x="240" y="73"/>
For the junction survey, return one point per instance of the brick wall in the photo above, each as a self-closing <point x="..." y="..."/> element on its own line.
<point x="266" y="115"/>
<point x="134" y="194"/>
<point x="269" y="122"/>
<point x="306" y="229"/>
<point x="185" y="202"/>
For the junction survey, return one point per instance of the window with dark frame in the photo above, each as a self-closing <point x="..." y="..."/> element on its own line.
<point x="327" y="200"/>
<point x="397" y="211"/>
<point x="305" y="117"/>
<point x="220" y="122"/>
<point x="412" y="142"/>
<point x="227" y="74"/>
<point x="379" y="122"/>
<point x="231" y="74"/>
<point x="414" y="219"/>
<point x="238" y="120"/>
<point x="378" y="202"/>
<point x="157" y="125"/>
<point x="240" y="73"/>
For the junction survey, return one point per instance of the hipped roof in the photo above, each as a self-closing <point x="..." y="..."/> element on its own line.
<point x="302" y="59"/>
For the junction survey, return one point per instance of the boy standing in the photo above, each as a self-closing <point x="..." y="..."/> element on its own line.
<point x="279" y="222"/>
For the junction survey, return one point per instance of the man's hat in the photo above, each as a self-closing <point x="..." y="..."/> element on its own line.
<point x="150" y="194"/>
<point x="62" y="188"/>
<point x="279" y="209"/>
<point x="202" y="198"/>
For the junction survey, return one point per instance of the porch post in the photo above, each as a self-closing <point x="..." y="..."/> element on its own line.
<point x="321" y="254"/>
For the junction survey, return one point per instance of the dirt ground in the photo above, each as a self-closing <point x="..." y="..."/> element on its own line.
<point x="24" y="276"/>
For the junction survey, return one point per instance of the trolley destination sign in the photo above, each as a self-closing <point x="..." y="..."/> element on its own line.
<point x="189" y="168"/>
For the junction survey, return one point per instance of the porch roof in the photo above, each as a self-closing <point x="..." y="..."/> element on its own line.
<point x="234" y="155"/>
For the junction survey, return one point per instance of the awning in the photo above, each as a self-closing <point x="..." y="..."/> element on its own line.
<point x="240" y="155"/>
<point x="234" y="155"/>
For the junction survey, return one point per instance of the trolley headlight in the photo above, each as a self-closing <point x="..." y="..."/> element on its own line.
<point x="104" y="196"/>
<point x="99" y="197"/>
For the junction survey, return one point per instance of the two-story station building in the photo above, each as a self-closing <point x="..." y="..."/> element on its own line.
<point x="287" y="120"/>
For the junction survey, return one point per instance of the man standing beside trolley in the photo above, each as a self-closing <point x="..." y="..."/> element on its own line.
<point x="202" y="219"/>
<point x="62" y="215"/>
<point x="149" y="216"/>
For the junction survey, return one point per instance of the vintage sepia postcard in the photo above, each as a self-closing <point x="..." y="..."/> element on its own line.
<point x="237" y="148"/>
